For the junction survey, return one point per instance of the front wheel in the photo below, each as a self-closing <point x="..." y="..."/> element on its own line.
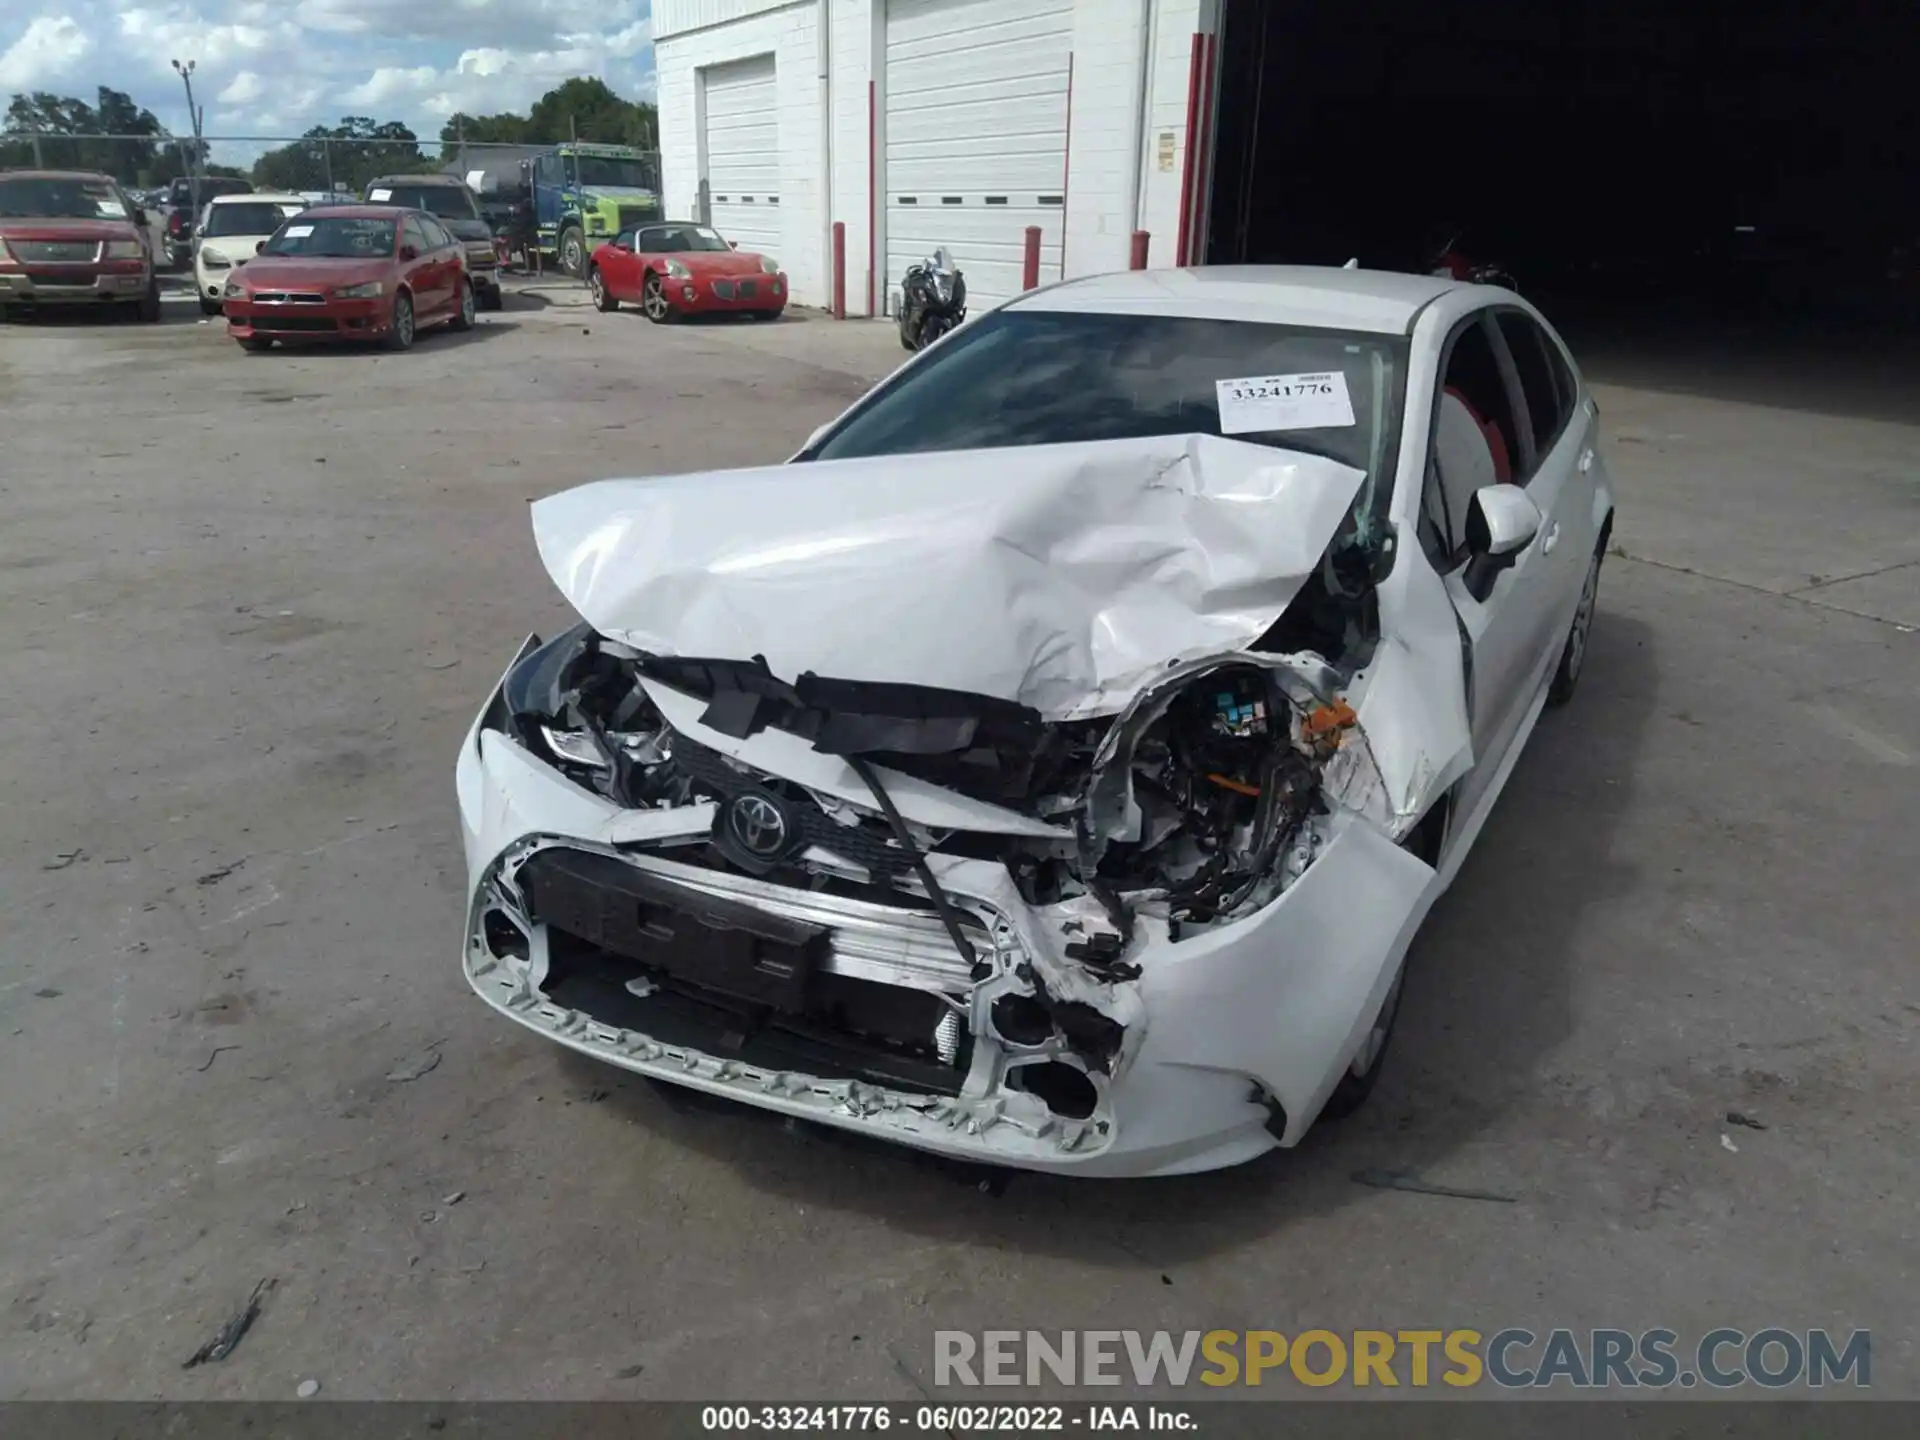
<point x="147" y="308"/>
<point x="209" y="307"/>
<point x="573" y="252"/>
<point x="463" y="313"/>
<point x="1573" y="657"/>
<point x="603" y="300"/>
<point x="257" y="344"/>
<point x="1363" y="1073"/>
<point x="653" y="301"/>
<point x="400" y="331"/>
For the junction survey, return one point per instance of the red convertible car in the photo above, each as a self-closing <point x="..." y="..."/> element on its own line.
<point x="360" y="272"/>
<point x="676" y="269"/>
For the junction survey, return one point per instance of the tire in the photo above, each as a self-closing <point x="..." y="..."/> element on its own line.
<point x="147" y="307"/>
<point x="463" y="313"/>
<point x="654" y="302"/>
<point x="573" y="251"/>
<point x="1573" y="656"/>
<point x="256" y="344"/>
<point x="1364" y="1071"/>
<point x="401" y="332"/>
<point x="209" y="307"/>
<point x="492" y="299"/>
<point x="603" y="300"/>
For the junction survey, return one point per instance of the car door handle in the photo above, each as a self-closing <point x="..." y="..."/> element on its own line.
<point x="1586" y="460"/>
<point x="1553" y="539"/>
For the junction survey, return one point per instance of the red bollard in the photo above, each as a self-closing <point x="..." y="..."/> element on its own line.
<point x="839" y="269"/>
<point x="1030" y="269"/>
<point x="1137" y="259"/>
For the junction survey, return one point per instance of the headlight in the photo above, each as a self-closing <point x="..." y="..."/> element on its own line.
<point x="769" y="265"/>
<point x="215" y="262"/>
<point x="124" y="250"/>
<point x="574" y="745"/>
<point x="360" y="292"/>
<point x="235" y="290"/>
<point x="678" y="271"/>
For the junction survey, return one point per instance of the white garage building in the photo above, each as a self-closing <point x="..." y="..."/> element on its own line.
<point x="918" y="123"/>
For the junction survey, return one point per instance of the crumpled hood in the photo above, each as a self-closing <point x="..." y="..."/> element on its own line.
<point x="1064" y="577"/>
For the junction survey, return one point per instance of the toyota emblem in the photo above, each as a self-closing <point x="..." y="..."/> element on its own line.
<point x="758" y="825"/>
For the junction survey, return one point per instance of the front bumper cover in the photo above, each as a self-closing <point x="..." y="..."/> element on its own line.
<point x="1232" y="1038"/>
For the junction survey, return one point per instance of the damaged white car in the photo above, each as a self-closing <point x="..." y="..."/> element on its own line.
<point x="1051" y="765"/>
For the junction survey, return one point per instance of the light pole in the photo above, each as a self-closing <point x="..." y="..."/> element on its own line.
<point x="185" y="72"/>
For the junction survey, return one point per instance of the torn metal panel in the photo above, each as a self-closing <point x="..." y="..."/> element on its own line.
<point x="1062" y="577"/>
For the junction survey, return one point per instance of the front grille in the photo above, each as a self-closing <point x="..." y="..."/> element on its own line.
<point x="868" y="844"/>
<point x="55" y="252"/>
<point x="287" y="297"/>
<point x="306" y="323"/>
<point x="745" y="290"/>
<point x="723" y="289"/>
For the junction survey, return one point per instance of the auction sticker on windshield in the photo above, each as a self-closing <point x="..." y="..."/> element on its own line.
<point x="379" y="194"/>
<point x="1254" y="403"/>
<point x="298" y="232"/>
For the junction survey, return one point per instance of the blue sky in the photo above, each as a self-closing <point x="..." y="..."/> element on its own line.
<point x="276" y="67"/>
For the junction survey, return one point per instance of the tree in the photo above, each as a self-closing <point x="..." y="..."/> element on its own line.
<point x="350" y="154"/>
<point x="71" y="128"/>
<point x="587" y="108"/>
<point x="584" y="108"/>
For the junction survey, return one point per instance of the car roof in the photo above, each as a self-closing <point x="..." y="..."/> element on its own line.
<point x="1381" y="302"/>
<point x="275" y="197"/>
<point x="57" y="175"/>
<point x="425" y="178"/>
<point x="358" y="211"/>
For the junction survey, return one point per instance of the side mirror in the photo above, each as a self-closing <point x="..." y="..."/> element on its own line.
<point x="733" y="244"/>
<point x="408" y="252"/>
<point x="139" y="216"/>
<point x="259" y="247"/>
<point x="1502" y="521"/>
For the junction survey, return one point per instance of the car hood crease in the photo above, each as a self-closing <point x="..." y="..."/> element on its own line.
<point x="1064" y="577"/>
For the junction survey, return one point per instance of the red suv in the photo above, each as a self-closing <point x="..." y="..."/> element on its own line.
<point x="73" y="237"/>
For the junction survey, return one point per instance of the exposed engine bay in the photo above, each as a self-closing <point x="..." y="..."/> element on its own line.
<point x="1198" y="803"/>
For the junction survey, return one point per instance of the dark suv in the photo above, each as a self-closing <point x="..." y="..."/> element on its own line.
<point x="448" y="200"/>
<point x="183" y="215"/>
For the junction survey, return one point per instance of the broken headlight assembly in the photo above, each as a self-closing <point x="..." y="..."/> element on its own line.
<point x="1200" y="802"/>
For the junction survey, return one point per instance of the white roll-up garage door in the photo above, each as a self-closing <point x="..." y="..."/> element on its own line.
<point x="743" y="153"/>
<point x="976" y="137"/>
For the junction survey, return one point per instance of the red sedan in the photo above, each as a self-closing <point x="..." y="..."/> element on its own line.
<point x="676" y="269"/>
<point x="351" y="272"/>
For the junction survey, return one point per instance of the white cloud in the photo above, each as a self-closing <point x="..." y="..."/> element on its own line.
<point x="46" y="51"/>
<point x="246" y="88"/>
<point x="278" y="67"/>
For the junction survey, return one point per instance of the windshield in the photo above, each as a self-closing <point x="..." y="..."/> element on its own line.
<point x="449" y="202"/>
<point x="1034" y="377"/>
<point x="251" y="217"/>
<point x="679" y="239"/>
<point x="335" y="237"/>
<point x="605" y="170"/>
<point x="58" y="198"/>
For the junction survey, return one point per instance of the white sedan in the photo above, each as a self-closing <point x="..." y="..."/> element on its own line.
<point x="230" y="228"/>
<point x="1051" y="767"/>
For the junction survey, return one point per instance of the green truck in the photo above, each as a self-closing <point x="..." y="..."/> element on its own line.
<point x="581" y="195"/>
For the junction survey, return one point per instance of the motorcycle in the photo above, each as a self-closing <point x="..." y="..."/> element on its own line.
<point x="1456" y="264"/>
<point x="933" y="300"/>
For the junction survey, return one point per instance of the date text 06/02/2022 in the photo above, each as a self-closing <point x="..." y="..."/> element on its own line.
<point x="945" y="1419"/>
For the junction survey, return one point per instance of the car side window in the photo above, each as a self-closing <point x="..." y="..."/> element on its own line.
<point x="412" y="234"/>
<point x="437" y="233"/>
<point x="647" y="242"/>
<point x="1546" y="409"/>
<point x="546" y="170"/>
<point x="624" y="240"/>
<point x="1475" y="442"/>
